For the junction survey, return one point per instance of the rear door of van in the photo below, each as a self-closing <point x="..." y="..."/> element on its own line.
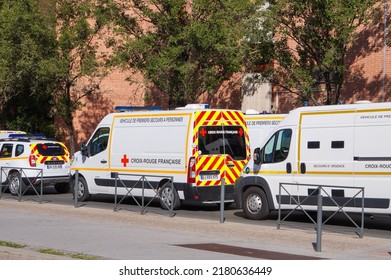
<point x="223" y="149"/>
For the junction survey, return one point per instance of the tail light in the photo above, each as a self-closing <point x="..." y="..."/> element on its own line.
<point x="191" y="170"/>
<point x="33" y="160"/>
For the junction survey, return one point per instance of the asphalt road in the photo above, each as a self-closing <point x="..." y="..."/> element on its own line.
<point x="194" y="232"/>
<point x="378" y="226"/>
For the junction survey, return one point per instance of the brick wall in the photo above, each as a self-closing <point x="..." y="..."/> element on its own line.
<point x="363" y="81"/>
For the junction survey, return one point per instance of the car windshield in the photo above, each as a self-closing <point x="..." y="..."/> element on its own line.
<point x="50" y="149"/>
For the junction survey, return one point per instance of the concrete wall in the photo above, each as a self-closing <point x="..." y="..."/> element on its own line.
<point x="257" y="94"/>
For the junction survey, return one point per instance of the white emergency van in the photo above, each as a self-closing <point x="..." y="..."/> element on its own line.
<point x="341" y="145"/>
<point x="260" y="125"/>
<point x="196" y="148"/>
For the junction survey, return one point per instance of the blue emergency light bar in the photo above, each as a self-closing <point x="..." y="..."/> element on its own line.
<point x="24" y="135"/>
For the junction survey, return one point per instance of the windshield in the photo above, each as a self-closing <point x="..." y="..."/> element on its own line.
<point x="50" y="149"/>
<point x="229" y="140"/>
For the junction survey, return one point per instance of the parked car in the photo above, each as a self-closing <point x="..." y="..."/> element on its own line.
<point x="28" y="160"/>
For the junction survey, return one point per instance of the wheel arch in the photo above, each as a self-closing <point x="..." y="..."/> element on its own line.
<point x="253" y="181"/>
<point x="10" y="172"/>
<point x="163" y="182"/>
<point x="161" y="185"/>
<point x="72" y="178"/>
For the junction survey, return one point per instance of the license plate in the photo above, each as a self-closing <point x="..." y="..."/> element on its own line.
<point x="54" y="166"/>
<point x="210" y="177"/>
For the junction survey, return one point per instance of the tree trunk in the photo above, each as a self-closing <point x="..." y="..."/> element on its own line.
<point x="69" y="117"/>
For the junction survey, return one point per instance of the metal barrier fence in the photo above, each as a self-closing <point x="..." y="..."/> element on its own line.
<point x="23" y="178"/>
<point x="143" y="182"/>
<point x="318" y="191"/>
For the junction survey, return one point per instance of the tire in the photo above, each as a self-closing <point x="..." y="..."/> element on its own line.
<point x="62" y="187"/>
<point x="16" y="184"/>
<point x="83" y="194"/>
<point x="168" y="196"/>
<point x="255" y="205"/>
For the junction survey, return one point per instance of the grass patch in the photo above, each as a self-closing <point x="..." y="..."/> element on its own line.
<point x="11" y="244"/>
<point x="51" y="252"/>
<point x="82" y="256"/>
<point x="79" y="256"/>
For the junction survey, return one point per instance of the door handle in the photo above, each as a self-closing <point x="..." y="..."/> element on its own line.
<point x="103" y="161"/>
<point x="231" y="165"/>
<point x="303" y="168"/>
<point x="289" y="168"/>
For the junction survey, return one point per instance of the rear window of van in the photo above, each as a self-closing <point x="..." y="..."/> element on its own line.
<point x="50" y="149"/>
<point x="229" y="140"/>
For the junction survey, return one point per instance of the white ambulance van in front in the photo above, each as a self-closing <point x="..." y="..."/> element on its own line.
<point x="342" y="146"/>
<point x="196" y="148"/>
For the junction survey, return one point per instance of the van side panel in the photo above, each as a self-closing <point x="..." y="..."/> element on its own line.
<point x="326" y="144"/>
<point x="145" y="143"/>
<point x="151" y="144"/>
<point x="372" y="157"/>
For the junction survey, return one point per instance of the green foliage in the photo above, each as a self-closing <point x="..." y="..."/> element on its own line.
<point x="46" y="48"/>
<point x="27" y="47"/>
<point x="310" y="43"/>
<point x="80" y="25"/>
<point x="183" y="49"/>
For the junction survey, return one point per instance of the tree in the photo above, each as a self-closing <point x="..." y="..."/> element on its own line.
<point x="309" y="44"/>
<point x="184" y="48"/>
<point x="27" y="47"/>
<point x="80" y="57"/>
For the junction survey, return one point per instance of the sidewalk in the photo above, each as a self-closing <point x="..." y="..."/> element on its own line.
<point x="126" y="235"/>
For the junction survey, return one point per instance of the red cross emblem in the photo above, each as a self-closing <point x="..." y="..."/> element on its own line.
<point x="125" y="160"/>
<point x="241" y="132"/>
<point x="203" y="132"/>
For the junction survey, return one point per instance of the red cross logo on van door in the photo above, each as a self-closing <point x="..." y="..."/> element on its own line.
<point x="241" y="132"/>
<point x="203" y="132"/>
<point x="125" y="160"/>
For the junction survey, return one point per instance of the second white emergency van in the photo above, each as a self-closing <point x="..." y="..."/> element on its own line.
<point x="345" y="147"/>
<point x="260" y="125"/>
<point x="194" y="148"/>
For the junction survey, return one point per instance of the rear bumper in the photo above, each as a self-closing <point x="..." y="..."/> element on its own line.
<point x="210" y="194"/>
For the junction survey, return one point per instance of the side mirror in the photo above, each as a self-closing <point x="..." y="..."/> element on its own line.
<point x="84" y="149"/>
<point x="257" y="156"/>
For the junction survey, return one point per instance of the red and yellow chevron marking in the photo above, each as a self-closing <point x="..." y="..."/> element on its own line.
<point x="41" y="159"/>
<point x="218" y="162"/>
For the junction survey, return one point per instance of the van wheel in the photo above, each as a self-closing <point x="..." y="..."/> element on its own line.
<point x="62" y="187"/>
<point x="82" y="193"/>
<point x="255" y="205"/>
<point x="16" y="184"/>
<point x="169" y="196"/>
